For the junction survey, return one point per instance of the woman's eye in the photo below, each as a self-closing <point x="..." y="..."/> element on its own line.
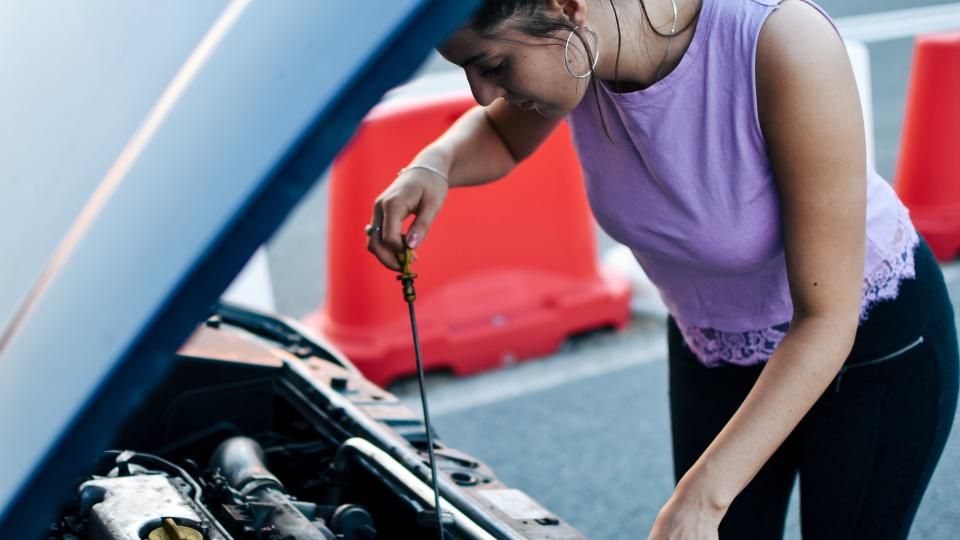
<point x="494" y="70"/>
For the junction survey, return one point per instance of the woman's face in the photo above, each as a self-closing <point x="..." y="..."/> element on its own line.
<point x="526" y="71"/>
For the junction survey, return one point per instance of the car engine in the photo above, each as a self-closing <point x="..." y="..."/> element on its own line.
<point x="259" y="433"/>
<point x="146" y="496"/>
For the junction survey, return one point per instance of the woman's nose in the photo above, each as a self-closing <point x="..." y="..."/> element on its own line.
<point x="484" y="90"/>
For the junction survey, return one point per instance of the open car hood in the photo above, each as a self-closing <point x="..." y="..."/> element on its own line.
<point x="244" y="129"/>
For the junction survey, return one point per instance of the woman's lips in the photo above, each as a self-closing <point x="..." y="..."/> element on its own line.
<point x="526" y="105"/>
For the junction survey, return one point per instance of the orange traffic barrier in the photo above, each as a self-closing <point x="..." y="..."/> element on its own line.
<point x="506" y="273"/>
<point x="928" y="172"/>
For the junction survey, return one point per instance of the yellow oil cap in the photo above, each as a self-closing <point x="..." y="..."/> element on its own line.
<point x="169" y="530"/>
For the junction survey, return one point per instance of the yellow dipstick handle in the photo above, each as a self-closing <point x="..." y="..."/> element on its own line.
<point x="406" y="277"/>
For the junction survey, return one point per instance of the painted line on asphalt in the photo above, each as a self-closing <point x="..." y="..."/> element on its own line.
<point x="951" y="272"/>
<point x="589" y="360"/>
<point x="529" y="377"/>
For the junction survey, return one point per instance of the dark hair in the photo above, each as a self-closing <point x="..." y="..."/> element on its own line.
<point x="532" y="20"/>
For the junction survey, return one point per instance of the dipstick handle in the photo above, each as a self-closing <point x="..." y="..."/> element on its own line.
<point x="406" y="277"/>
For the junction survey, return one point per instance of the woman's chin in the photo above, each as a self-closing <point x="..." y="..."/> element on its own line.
<point x="542" y="110"/>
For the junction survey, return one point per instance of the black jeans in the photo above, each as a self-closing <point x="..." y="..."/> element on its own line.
<point x="867" y="448"/>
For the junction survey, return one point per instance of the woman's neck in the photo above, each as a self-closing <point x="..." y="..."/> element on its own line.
<point x="641" y="48"/>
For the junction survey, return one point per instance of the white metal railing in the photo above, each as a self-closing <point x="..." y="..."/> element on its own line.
<point x="859" y="30"/>
<point x="900" y="23"/>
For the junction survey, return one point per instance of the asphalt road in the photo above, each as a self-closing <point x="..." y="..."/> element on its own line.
<point x="586" y="431"/>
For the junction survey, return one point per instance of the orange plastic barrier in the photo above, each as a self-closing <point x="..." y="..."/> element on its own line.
<point x="928" y="173"/>
<point x="506" y="273"/>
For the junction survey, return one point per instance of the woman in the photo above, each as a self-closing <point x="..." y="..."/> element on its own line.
<point x="722" y="141"/>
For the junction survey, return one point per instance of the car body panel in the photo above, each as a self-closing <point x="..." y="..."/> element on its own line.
<point x="250" y="121"/>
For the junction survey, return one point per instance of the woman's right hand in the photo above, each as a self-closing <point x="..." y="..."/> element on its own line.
<point x="417" y="191"/>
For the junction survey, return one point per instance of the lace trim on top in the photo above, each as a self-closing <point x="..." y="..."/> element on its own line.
<point x="714" y="347"/>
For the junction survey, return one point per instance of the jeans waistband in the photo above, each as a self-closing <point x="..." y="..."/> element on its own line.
<point x="896" y="323"/>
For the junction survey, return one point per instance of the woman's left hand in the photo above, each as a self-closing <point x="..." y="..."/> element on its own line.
<point x="686" y="518"/>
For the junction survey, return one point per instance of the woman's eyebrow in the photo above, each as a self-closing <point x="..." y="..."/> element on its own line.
<point x="474" y="58"/>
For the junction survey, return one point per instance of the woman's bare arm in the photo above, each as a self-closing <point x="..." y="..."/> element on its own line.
<point x="483" y="145"/>
<point x="811" y="119"/>
<point x="486" y="143"/>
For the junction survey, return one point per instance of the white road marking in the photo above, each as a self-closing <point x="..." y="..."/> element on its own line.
<point x="951" y="272"/>
<point x="594" y="360"/>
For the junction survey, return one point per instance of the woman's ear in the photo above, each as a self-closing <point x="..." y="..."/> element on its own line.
<point x="574" y="11"/>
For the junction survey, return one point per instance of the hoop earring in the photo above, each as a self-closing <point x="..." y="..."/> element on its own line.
<point x="566" y="53"/>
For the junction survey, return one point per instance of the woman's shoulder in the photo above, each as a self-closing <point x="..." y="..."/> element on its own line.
<point x="796" y="41"/>
<point x="797" y="24"/>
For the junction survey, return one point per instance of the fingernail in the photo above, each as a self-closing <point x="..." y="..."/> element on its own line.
<point x="412" y="240"/>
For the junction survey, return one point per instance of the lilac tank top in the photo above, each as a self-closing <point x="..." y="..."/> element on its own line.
<point x="684" y="180"/>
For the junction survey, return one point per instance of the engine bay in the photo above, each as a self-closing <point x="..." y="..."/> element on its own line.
<point x="261" y="433"/>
